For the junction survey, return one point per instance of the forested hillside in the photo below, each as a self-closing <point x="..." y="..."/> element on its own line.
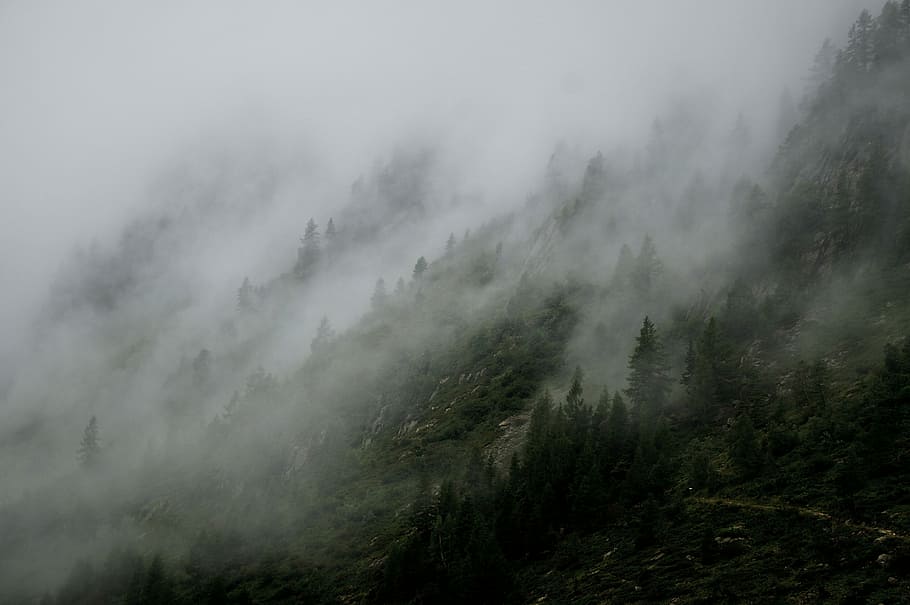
<point x="652" y="383"/>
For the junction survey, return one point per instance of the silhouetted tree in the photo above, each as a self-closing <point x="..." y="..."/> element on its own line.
<point x="309" y="252"/>
<point x="649" y="383"/>
<point x="744" y="447"/>
<point x="647" y="266"/>
<point x="90" y="446"/>
<point x="245" y="296"/>
<point x="380" y="297"/>
<point x="419" y="268"/>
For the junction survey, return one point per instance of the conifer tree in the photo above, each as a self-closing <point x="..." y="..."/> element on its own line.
<point x="647" y="266"/>
<point x="90" y="446"/>
<point x="744" y="448"/>
<point x="379" y="298"/>
<point x="860" y="51"/>
<point x="330" y="232"/>
<point x="703" y="385"/>
<point x="887" y="35"/>
<point x="309" y="251"/>
<point x="245" y="299"/>
<point x="617" y="425"/>
<point x="574" y="398"/>
<point x="419" y="268"/>
<point x="450" y="244"/>
<point x="649" y="383"/>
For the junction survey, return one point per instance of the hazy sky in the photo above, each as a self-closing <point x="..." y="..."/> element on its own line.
<point x="98" y="97"/>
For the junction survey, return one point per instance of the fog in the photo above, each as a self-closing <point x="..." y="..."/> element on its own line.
<point x="153" y="156"/>
<point x="98" y="97"/>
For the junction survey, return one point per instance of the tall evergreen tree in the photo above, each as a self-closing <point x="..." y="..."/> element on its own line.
<point x="820" y="73"/>
<point x="380" y="297"/>
<point x="245" y="295"/>
<point x="744" y="447"/>
<point x="647" y="266"/>
<point x="420" y="268"/>
<point x="860" y="50"/>
<point x="90" y="446"/>
<point x="309" y="252"/>
<point x="887" y="35"/>
<point x="702" y="387"/>
<point x="689" y="365"/>
<point x="574" y="398"/>
<point x="617" y="426"/>
<point x="649" y="382"/>
<point x="450" y="244"/>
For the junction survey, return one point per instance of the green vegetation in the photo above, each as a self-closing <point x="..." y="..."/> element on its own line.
<point x="759" y="452"/>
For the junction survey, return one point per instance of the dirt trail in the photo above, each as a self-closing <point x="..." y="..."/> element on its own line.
<point x="802" y="510"/>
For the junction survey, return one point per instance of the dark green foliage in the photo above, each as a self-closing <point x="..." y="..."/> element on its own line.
<point x="885" y="413"/>
<point x="744" y="447"/>
<point x="770" y="480"/>
<point x="710" y="378"/>
<point x="450" y="555"/>
<point x="157" y="588"/>
<point x="649" y="382"/>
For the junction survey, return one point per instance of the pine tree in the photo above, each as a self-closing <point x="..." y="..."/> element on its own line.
<point x="601" y="411"/>
<point x="379" y="298"/>
<point x="399" y="287"/>
<point x="617" y="426"/>
<point x="578" y="415"/>
<point x="574" y="398"/>
<point x="245" y="299"/>
<point x="887" y="36"/>
<point x="820" y="73"/>
<point x="419" y="268"/>
<point x="702" y="388"/>
<point x="647" y="266"/>
<point x="860" y="51"/>
<point x="157" y="589"/>
<point x="649" y="383"/>
<point x="330" y="232"/>
<point x="744" y="448"/>
<point x="309" y="252"/>
<point x="689" y="366"/>
<point x="90" y="446"/>
<point x="593" y="185"/>
<point x="450" y="244"/>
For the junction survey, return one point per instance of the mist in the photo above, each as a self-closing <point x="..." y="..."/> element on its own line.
<point x="154" y="157"/>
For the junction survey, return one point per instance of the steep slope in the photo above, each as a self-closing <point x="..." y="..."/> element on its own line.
<point x="747" y="443"/>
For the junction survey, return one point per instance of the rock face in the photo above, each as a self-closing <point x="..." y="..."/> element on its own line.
<point x="512" y="433"/>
